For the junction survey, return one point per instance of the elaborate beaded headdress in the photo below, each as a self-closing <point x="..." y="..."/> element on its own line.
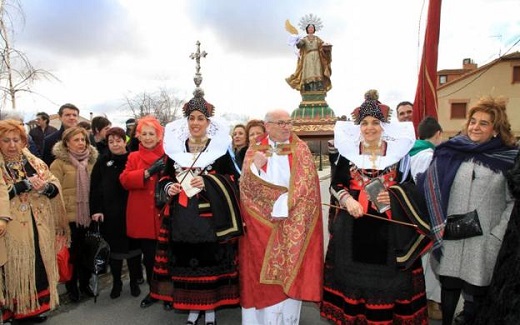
<point x="372" y="107"/>
<point x="198" y="103"/>
<point x="310" y="19"/>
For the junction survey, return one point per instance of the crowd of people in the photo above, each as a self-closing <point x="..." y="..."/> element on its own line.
<point x="222" y="217"/>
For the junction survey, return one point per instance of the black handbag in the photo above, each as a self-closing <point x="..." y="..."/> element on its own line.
<point x="460" y="226"/>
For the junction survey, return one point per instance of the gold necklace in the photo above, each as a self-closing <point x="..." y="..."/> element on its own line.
<point x="375" y="152"/>
<point x="16" y="171"/>
<point x="196" y="146"/>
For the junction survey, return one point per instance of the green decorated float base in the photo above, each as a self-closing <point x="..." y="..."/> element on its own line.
<point x="313" y="106"/>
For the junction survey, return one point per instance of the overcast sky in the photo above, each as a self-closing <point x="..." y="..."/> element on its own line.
<point x="104" y="50"/>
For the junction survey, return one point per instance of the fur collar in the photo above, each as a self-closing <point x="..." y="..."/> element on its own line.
<point x="61" y="153"/>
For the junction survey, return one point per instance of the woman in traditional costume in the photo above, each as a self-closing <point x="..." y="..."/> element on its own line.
<point x="467" y="179"/>
<point x="32" y="213"/>
<point x="196" y="263"/>
<point x="364" y="281"/>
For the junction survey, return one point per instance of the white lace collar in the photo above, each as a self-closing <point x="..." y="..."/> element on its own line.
<point x="399" y="138"/>
<point x="177" y="132"/>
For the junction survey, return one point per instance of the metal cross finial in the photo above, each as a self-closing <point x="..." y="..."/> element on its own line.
<point x="196" y="56"/>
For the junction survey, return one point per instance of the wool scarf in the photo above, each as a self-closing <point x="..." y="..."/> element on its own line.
<point x="447" y="158"/>
<point x="80" y="162"/>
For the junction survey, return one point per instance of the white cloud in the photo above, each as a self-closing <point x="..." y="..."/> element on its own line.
<point x="104" y="50"/>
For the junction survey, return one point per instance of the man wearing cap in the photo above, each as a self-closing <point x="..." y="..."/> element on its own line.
<point x="281" y="252"/>
<point x="130" y="125"/>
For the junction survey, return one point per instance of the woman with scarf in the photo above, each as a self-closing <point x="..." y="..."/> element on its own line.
<point x="108" y="200"/>
<point x="196" y="256"/>
<point x="75" y="157"/>
<point x="364" y="284"/>
<point x="139" y="177"/>
<point x="32" y="214"/>
<point x="467" y="178"/>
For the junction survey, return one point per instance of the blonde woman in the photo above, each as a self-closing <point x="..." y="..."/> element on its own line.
<point x="31" y="214"/>
<point x="75" y="158"/>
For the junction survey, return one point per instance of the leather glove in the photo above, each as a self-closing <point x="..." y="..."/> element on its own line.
<point x="156" y="167"/>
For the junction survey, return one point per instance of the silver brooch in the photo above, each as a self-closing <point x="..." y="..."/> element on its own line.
<point x="110" y="163"/>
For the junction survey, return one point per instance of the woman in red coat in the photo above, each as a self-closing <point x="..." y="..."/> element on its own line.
<point x="139" y="178"/>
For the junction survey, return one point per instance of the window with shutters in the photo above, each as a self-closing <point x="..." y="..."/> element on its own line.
<point x="458" y="110"/>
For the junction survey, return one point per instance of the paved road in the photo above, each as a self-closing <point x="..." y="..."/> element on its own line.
<point x="125" y="310"/>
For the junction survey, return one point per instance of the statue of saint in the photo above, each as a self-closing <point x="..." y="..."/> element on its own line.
<point x="313" y="67"/>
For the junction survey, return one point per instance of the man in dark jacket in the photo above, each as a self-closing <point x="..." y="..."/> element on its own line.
<point x="68" y="114"/>
<point x="42" y="130"/>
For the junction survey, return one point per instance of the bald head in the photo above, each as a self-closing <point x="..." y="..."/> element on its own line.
<point x="278" y="125"/>
<point x="276" y="114"/>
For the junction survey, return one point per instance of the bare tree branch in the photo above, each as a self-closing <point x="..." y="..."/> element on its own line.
<point x="163" y="104"/>
<point x="17" y="75"/>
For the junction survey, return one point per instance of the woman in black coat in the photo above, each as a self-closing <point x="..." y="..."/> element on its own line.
<point x="108" y="205"/>
<point x="502" y="303"/>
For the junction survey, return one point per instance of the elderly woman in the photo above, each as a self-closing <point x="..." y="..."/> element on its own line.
<point x="108" y="200"/>
<point x="255" y="129"/>
<point x="31" y="214"/>
<point x="139" y="178"/>
<point x="196" y="256"/>
<point x="75" y="158"/>
<point x="468" y="173"/>
<point x="364" y="284"/>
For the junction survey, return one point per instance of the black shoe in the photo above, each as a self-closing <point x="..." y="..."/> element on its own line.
<point x="212" y="323"/>
<point x="135" y="291"/>
<point x="35" y="319"/>
<point x="85" y="290"/>
<point x="116" y="290"/>
<point x="167" y="306"/>
<point x="148" y="301"/>
<point x="72" y="291"/>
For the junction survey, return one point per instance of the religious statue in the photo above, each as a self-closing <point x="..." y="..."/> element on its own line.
<point x="313" y="67"/>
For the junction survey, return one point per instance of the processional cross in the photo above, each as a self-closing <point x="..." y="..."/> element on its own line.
<point x="196" y="56"/>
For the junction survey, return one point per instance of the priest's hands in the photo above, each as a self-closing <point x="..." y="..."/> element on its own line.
<point x="259" y="159"/>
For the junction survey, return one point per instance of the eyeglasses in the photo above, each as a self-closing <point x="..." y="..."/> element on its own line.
<point x="281" y="123"/>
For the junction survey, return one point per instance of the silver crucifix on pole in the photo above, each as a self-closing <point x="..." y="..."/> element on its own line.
<point x="196" y="56"/>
